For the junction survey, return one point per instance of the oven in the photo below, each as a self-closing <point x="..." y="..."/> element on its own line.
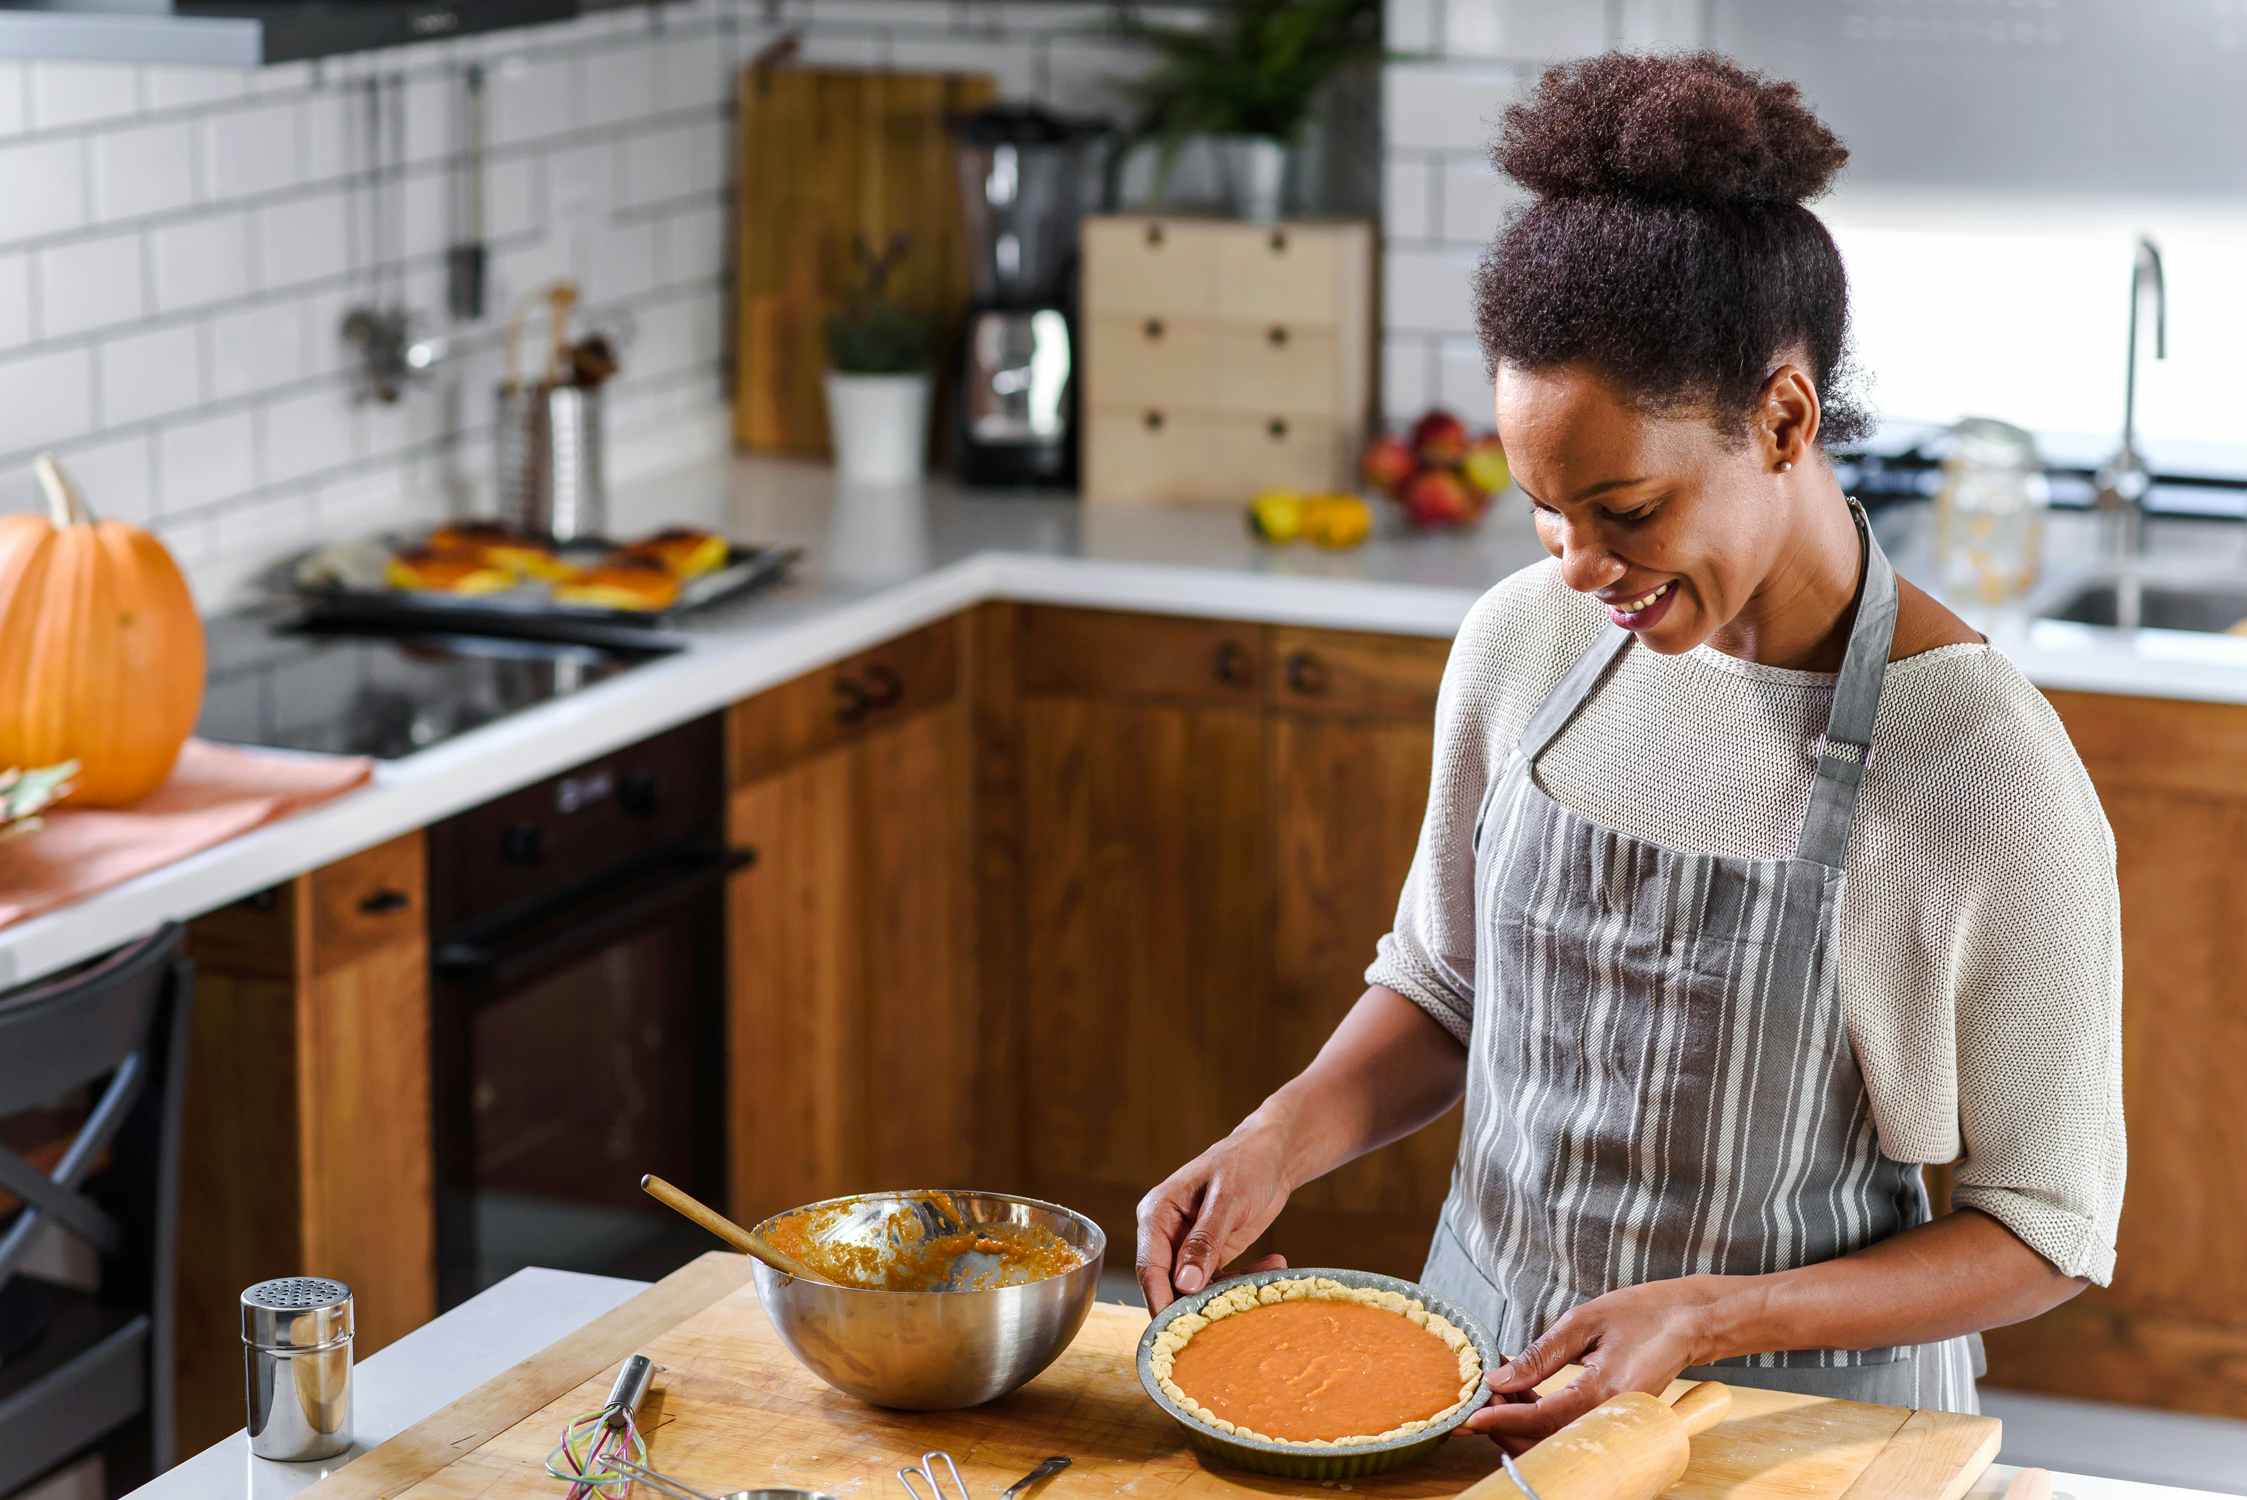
<point x="578" y="998"/>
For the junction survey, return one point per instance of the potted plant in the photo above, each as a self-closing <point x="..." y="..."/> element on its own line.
<point x="1248" y="80"/>
<point x="878" y="375"/>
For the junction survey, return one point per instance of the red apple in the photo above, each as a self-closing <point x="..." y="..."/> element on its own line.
<point x="1485" y="465"/>
<point x="1439" y="438"/>
<point x="1388" y="464"/>
<point x="1437" y="497"/>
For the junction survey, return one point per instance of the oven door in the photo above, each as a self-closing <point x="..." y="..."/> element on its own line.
<point x="573" y="1048"/>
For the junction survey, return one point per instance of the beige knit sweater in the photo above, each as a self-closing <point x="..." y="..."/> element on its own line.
<point x="1981" y="971"/>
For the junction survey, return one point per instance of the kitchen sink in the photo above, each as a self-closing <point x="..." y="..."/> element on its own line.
<point x="2127" y="603"/>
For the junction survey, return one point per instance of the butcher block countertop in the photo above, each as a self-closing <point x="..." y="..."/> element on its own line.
<point x="880" y="562"/>
<point x="734" y="1409"/>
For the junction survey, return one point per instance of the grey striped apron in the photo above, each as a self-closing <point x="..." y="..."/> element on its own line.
<point x="1659" y="1082"/>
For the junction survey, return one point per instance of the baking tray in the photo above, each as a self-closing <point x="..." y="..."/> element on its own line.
<point x="1299" y="1460"/>
<point x="344" y="585"/>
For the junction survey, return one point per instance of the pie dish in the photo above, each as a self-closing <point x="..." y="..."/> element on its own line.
<point x="1315" y="1373"/>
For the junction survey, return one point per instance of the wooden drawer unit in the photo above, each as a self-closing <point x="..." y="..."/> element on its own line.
<point x="823" y="708"/>
<point x="1352" y="674"/>
<point x="1112" y="655"/>
<point x="375" y="898"/>
<point x="1224" y="358"/>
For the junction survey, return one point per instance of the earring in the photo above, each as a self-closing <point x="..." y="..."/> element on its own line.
<point x="1785" y="464"/>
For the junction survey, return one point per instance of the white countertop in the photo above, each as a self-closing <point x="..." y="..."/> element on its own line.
<point x="881" y="562"/>
<point x="451" y="1355"/>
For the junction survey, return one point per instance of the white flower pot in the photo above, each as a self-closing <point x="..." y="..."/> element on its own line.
<point x="879" y="426"/>
<point x="1256" y="171"/>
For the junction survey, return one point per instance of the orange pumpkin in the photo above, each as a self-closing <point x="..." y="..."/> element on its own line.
<point x="101" y="650"/>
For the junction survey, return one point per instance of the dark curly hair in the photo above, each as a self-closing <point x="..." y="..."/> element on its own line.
<point x="1667" y="245"/>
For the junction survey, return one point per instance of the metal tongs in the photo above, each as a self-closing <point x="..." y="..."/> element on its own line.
<point x="926" y="1473"/>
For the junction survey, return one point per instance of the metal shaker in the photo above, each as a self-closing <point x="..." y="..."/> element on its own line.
<point x="296" y="1366"/>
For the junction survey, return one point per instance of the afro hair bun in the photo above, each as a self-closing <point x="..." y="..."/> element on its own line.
<point x="1692" y="127"/>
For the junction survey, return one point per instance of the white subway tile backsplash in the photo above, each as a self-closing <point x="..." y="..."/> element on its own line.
<point x="529" y="100"/>
<point x="90" y="284"/>
<point x="15" y="299"/>
<point x="694" y="245"/>
<point x="1662" y="25"/>
<point x="257" y="348"/>
<point x="1013" y="69"/>
<point x="1476" y="199"/>
<point x="843" y="49"/>
<point x="147" y="169"/>
<point x="205" y="459"/>
<point x="45" y="399"/>
<point x="184" y="88"/>
<point x="616" y="85"/>
<point x="510" y="197"/>
<point x="661" y="165"/>
<point x="115" y="475"/>
<point x="256" y="149"/>
<point x="580" y="183"/>
<point x="617" y="261"/>
<point x="1409" y="26"/>
<point x="1462" y="384"/>
<point x="696" y="72"/>
<point x="430" y="126"/>
<point x="155" y="373"/>
<point x="306" y="433"/>
<point x="425" y="213"/>
<point x="267" y="527"/>
<point x="74" y="93"/>
<point x="42" y="188"/>
<point x="1529" y="30"/>
<point x="334" y="131"/>
<point x="202" y="261"/>
<point x="282" y="78"/>
<point x="1445" y="107"/>
<point x="1407" y="199"/>
<point x="1427" y="290"/>
<point x="13" y="105"/>
<point x="325" y="351"/>
<point x="303" y="240"/>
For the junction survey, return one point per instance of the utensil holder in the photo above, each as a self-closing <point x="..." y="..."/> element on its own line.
<point x="549" y="460"/>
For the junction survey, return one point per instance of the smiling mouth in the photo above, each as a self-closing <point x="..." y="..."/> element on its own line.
<point x="1643" y="602"/>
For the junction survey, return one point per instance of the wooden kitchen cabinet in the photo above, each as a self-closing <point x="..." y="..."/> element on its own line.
<point x="2172" y="1330"/>
<point x="1218" y="817"/>
<point x="857" y="1053"/>
<point x="306" y="1144"/>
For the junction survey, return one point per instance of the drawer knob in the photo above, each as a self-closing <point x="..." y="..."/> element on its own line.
<point x="1154" y="328"/>
<point x="1154" y="236"/>
<point x="1232" y="665"/>
<point x="887" y="686"/>
<point x="1154" y="421"/>
<point x="1277" y="427"/>
<point x="1306" y="674"/>
<point x="856" y="705"/>
<point x="1279" y="242"/>
<point x="384" y="901"/>
<point x="1277" y="337"/>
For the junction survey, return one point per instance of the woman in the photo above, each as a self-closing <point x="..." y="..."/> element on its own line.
<point x="1713" y="977"/>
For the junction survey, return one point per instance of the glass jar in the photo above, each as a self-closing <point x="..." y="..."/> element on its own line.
<point x="1989" y="513"/>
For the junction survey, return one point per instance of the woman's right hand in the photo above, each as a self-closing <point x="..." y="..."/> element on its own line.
<point x="1209" y="1211"/>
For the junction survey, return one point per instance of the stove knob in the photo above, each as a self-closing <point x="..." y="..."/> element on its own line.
<point x="637" y="793"/>
<point x="523" y="844"/>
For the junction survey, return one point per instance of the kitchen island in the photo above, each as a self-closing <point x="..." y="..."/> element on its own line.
<point x="1117" y="754"/>
<point x="453" y="1354"/>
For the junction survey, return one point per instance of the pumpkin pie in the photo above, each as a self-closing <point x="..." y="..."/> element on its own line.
<point x="1310" y="1362"/>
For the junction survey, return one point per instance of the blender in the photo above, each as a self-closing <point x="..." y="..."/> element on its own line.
<point x="1026" y="175"/>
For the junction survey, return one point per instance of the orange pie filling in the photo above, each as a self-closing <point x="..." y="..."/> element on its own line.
<point x="1311" y="1361"/>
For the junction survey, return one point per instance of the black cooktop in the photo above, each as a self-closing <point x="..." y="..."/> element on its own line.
<point x="297" y="686"/>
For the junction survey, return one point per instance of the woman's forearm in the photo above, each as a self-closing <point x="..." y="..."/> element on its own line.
<point x="1387" y="1070"/>
<point x="1960" y="1274"/>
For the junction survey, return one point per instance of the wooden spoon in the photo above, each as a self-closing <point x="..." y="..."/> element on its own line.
<point x="746" y="1241"/>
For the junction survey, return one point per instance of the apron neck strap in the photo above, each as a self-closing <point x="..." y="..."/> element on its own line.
<point x="1856" y="705"/>
<point x="1849" y="724"/>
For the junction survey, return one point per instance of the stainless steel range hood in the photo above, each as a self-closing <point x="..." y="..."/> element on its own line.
<point x="216" y="33"/>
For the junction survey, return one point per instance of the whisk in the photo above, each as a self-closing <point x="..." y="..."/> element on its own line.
<point x="601" y="1455"/>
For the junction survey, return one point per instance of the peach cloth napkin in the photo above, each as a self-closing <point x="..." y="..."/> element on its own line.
<point x="213" y="793"/>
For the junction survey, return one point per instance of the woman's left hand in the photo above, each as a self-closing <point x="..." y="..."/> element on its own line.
<point x="1636" y="1339"/>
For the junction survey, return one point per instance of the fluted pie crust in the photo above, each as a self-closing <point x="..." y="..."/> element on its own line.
<point x="1181" y="1331"/>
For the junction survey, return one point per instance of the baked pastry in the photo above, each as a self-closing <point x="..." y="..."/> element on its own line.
<point x="685" y="550"/>
<point x="502" y="545"/>
<point x="446" y="572"/>
<point x="620" y="581"/>
<point x="1311" y="1362"/>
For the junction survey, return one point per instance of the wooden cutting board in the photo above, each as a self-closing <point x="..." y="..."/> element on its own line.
<point x="827" y="154"/>
<point x="733" y="1409"/>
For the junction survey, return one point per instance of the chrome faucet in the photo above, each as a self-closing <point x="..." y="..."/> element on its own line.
<point x="2124" y="479"/>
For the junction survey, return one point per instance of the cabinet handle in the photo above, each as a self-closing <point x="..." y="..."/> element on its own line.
<point x="888" y="687"/>
<point x="1277" y="337"/>
<point x="1154" y="236"/>
<point x="1154" y="328"/>
<point x="856" y="705"/>
<point x="382" y="902"/>
<point x="1232" y="665"/>
<point x="1277" y="427"/>
<point x="1306" y="674"/>
<point x="1154" y="421"/>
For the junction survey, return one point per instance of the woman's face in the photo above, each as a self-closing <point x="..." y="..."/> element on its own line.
<point x="1667" y="522"/>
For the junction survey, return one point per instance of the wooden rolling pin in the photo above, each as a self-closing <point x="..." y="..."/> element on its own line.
<point x="1630" y="1448"/>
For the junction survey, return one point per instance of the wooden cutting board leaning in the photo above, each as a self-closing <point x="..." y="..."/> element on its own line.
<point x="828" y="154"/>
<point x="731" y="1408"/>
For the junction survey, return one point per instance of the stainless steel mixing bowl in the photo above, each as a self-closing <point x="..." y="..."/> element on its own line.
<point x="942" y="1350"/>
